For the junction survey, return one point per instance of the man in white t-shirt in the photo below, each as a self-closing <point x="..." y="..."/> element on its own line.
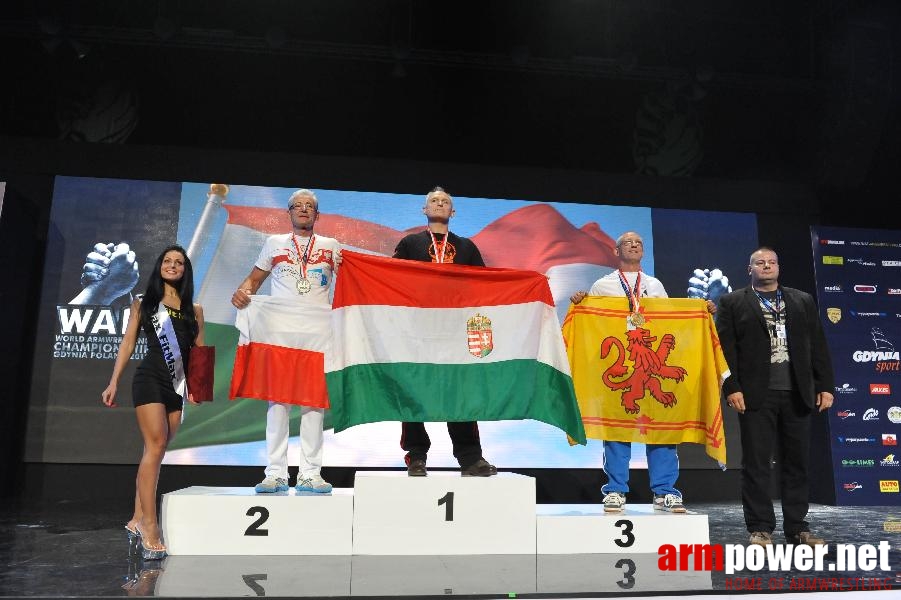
<point x="663" y="460"/>
<point x="302" y="265"/>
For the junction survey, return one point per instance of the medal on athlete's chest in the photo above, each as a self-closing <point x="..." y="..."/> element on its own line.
<point x="303" y="285"/>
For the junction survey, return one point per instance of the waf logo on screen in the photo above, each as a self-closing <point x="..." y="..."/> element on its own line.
<point x="883" y="354"/>
<point x="888" y="486"/>
<point x="880" y="389"/>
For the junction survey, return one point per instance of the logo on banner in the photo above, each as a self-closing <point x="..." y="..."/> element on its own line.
<point x="846" y="388"/>
<point x="894" y="292"/>
<point x="871" y="414"/>
<point x="855" y="440"/>
<point x="865" y="289"/>
<point x="884" y="355"/>
<point x="832" y="288"/>
<point x="855" y="313"/>
<point x="889" y="461"/>
<point x="880" y="388"/>
<point x="834" y="314"/>
<point x="894" y="414"/>
<point x="832" y="242"/>
<point x="833" y="260"/>
<point x="92" y="323"/>
<point x="844" y="414"/>
<point x="858" y="462"/>
<point x="862" y="262"/>
<point x="480" y="336"/>
<point x="888" y="486"/>
<point x="889" y="439"/>
<point x="850" y="487"/>
<point x="891" y="263"/>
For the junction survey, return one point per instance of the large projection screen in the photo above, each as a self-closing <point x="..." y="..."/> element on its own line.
<point x="224" y="226"/>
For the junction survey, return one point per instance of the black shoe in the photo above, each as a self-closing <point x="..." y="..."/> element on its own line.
<point x="480" y="468"/>
<point x="416" y="468"/>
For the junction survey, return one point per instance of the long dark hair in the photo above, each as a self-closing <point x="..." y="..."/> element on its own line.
<point x="185" y="288"/>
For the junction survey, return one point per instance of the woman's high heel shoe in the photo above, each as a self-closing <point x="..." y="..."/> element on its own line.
<point x="149" y="553"/>
<point x="133" y="534"/>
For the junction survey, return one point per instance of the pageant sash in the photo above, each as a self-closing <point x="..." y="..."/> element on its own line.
<point x="165" y="332"/>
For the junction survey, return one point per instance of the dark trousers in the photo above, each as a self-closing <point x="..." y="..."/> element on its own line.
<point x="781" y="426"/>
<point x="464" y="437"/>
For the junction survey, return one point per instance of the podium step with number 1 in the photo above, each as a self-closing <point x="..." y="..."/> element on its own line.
<point x="443" y="513"/>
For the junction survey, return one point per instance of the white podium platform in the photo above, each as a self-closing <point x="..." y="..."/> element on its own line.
<point x="443" y="514"/>
<point x="586" y="529"/>
<point x="236" y="521"/>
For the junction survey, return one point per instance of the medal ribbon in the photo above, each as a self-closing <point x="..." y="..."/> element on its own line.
<point x="634" y="294"/>
<point x="308" y="251"/>
<point x="438" y="257"/>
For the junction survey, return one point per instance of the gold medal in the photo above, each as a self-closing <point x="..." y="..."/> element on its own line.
<point x="637" y="319"/>
<point x="304" y="285"/>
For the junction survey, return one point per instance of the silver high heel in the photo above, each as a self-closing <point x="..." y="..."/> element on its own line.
<point x="148" y="553"/>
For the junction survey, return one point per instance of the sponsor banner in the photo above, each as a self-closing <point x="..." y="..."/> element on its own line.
<point x="859" y="308"/>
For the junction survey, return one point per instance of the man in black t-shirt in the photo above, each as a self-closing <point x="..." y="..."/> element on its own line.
<point x="438" y="245"/>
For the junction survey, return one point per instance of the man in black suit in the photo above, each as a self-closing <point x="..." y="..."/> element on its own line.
<point x="781" y="372"/>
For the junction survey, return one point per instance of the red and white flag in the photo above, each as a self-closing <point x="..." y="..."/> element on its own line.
<point x="281" y="349"/>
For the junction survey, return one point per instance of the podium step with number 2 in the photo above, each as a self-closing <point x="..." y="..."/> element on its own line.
<point x="235" y="520"/>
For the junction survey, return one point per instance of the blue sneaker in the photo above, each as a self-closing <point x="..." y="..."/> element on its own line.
<point x="270" y="485"/>
<point x="313" y="483"/>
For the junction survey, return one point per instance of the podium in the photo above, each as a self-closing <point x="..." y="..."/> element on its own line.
<point x="587" y="529"/>
<point x="388" y="513"/>
<point x="443" y="514"/>
<point x="237" y="521"/>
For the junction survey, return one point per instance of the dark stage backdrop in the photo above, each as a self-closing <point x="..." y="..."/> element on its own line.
<point x="858" y="273"/>
<point x="80" y="322"/>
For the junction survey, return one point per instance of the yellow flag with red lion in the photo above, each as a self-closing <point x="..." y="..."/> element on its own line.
<point x="654" y="383"/>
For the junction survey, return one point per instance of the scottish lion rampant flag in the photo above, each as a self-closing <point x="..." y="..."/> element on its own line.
<point x="656" y="384"/>
<point x="416" y="341"/>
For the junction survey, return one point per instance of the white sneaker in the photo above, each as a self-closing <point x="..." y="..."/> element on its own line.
<point x="669" y="502"/>
<point x="614" y="502"/>
<point x="270" y="485"/>
<point x="313" y="483"/>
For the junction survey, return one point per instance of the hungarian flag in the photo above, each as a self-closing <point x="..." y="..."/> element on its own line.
<point x="418" y="341"/>
<point x="280" y="353"/>
<point x="657" y="383"/>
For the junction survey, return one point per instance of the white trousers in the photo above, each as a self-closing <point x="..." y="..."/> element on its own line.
<point x="277" y="440"/>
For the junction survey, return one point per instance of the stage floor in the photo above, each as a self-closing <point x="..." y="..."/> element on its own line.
<point x="75" y="550"/>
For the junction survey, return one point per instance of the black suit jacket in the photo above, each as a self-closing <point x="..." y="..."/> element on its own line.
<point x="741" y="327"/>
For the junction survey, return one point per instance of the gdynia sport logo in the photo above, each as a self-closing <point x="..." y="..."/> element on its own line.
<point x="777" y="559"/>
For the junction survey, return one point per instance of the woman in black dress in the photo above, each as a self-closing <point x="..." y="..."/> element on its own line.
<point x="166" y="314"/>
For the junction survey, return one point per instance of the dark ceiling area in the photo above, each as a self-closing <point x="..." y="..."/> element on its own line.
<point x="768" y="90"/>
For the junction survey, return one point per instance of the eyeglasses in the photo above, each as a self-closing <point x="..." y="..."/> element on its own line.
<point x="302" y="206"/>
<point x="631" y="243"/>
